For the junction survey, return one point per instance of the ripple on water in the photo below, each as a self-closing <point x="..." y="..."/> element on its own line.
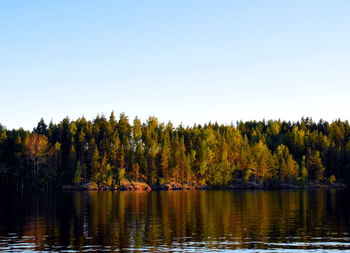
<point x="212" y="221"/>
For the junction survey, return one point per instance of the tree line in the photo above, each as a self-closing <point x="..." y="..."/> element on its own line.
<point x="107" y="150"/>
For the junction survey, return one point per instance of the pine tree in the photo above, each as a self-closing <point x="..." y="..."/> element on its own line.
<point x="315" y="166"/>
<point x="95" y="165"/>
<point x="78" y="178"/>
<point x="165" y="155"/>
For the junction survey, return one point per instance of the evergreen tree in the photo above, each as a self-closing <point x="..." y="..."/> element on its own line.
<point x="315" y="166"/>
<point x="95" y="165"/>
<point x="165" y="155"/>
<point x="107" y="151"/>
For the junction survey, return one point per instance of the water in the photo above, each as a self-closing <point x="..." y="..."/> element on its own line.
<point x="186" y="221"/>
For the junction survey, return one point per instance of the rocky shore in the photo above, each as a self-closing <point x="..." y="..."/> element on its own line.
<point x="127" y="185"/>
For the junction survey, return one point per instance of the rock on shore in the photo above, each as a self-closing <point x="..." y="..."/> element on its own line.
<point x="126" y="185"/>
<point x="172" y="186"/>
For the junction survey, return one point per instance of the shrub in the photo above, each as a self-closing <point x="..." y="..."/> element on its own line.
<point x="332" y="179"/>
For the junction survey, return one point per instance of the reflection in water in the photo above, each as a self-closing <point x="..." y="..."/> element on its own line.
<point x="175" y="221"/>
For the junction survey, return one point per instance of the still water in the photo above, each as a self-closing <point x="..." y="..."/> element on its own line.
<point x="181" y="221"/>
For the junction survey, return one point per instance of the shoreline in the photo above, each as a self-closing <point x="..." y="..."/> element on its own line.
<point x="142" y="186"/>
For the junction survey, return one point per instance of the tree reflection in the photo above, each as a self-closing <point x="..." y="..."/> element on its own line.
<point x="168" y="219"/>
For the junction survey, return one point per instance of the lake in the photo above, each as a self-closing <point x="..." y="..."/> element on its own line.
<point x="179" y="221"/>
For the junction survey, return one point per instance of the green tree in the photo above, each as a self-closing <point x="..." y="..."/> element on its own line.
<point x="78" y="175"/>
<point x="315" y="166"/>
<point x="165" y="155"/>
<point x="95" y="165"/>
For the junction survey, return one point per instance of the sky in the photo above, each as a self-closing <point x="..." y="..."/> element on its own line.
<point x="188" y="61"/>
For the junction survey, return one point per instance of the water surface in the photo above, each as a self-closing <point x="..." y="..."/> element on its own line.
<point x="190" y="221"/>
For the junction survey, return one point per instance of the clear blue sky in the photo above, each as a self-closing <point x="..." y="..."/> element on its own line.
<point x="185" y="61"/>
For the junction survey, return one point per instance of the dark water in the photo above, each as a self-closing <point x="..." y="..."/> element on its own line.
<point x="191" y="221"/>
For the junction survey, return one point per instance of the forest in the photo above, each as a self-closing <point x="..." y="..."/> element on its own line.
<point x="107" y="150"/>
